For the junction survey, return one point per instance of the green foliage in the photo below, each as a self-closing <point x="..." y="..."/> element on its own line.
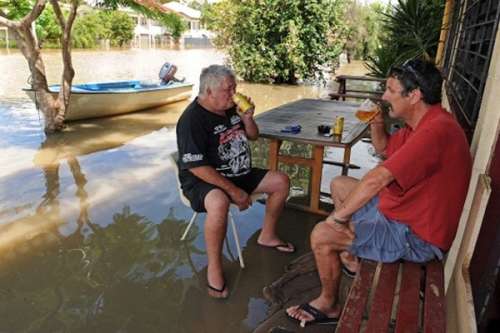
<point x="88" y="29"/>
<point x="119" y="27"/>
<point x="278" y="41"/>
<point x="361" y="28"/>
<point x="412" y="30"/>
<point x="173" y="23"/>
<point x="15" y="9"/>
<point x="47" y="28"/>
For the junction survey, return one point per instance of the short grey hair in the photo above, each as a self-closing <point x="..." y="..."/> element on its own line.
<point x="212" y="76"/>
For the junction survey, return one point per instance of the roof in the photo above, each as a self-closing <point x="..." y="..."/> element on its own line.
<point x="183" y="10"/>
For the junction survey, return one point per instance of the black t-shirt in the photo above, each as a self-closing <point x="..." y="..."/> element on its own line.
<point x="205" y="138"/>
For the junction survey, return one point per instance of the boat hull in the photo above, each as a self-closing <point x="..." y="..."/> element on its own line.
<point x="86" y="103"/>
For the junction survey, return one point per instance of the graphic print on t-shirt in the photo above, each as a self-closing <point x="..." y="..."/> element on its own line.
<point x="234" y="152"/>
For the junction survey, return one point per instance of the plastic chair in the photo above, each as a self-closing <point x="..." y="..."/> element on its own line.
<point x="174" y="158"/>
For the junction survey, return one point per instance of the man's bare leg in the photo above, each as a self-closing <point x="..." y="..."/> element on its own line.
<point x="276" y="185"/>
<point x="327" y="243"/>
<point x="217" y="206"/>
<point x="340" y="188"/>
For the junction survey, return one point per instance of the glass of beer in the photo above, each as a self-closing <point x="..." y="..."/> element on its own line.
<point x="242" y="102"/>
<point x="367" y="111"/>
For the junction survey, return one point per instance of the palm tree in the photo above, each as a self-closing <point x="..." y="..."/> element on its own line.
<point x="412" y="29"/>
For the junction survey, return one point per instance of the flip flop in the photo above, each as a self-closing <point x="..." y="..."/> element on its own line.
<point x="277" y="247"/>
<point x="347" y="272"/>
<point x="319" y="318"/>
<point x="221" y="290"/>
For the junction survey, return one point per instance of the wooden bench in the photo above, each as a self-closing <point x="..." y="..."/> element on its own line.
<point x="397" y="297"/>
<point x="346" y="91"/>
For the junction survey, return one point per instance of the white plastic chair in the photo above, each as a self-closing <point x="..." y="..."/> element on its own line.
<point x="174" y="157"/>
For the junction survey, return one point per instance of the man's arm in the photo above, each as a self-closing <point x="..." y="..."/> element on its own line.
<point x="369" y="186"/>
<point x="209" y="175"/>
<point x="378" y="134"/>
<point x="251" y="128"/>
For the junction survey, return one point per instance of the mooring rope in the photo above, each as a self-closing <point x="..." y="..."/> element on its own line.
<point x="30" y="82"/>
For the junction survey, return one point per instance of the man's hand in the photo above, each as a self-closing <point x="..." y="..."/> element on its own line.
<point x="340" y="227"/>
<point x="249" y="113"/>
<point x="378" y="119"/>
<point x="240" y="198"/>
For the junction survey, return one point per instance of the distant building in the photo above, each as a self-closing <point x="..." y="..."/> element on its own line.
<point x="150" y="33"/>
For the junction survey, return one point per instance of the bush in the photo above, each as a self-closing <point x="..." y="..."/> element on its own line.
<point x="119" y="27"/>
<point x="87" y="30"/>
<point x="47" y="29"/>
<point x="278" y="41"/>
<point x="412" y="30"/>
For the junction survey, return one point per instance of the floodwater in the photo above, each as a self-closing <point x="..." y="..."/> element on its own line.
<point x="90" y="219"/>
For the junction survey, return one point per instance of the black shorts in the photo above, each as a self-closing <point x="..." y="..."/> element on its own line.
<point x="199" y="189"/>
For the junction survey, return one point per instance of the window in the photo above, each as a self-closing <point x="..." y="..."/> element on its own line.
<point x="468" y="52"/>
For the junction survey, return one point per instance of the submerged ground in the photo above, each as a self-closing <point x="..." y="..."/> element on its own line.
<point x="90" y="219"/>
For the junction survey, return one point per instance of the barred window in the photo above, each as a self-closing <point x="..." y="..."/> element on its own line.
<point x="468" y="52"/>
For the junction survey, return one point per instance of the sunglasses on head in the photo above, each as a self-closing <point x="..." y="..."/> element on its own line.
<point x="408" y="67"/>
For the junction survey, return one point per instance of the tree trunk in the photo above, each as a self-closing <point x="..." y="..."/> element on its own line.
<point x="68" y="71"/>
<point x="53" y="109"/>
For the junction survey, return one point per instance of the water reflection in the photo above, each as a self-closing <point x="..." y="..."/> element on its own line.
<point x="90" y="219"/>
<point x="98" y="278"/>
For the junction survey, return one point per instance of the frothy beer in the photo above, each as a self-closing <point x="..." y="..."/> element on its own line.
<point x="367" y="111"/>
<point x="366" y="116"/>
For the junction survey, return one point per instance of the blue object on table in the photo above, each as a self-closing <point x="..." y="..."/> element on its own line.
<point x="296" y="128"/>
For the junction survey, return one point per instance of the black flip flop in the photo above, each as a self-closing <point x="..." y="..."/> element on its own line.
<point x="347" y="272"/>
<point x="281" y="245"/>
<point x="221" y="290"/>
<point x="319" y="317"/>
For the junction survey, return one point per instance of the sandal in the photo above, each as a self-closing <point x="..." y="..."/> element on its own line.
<point x="319" y="318"/>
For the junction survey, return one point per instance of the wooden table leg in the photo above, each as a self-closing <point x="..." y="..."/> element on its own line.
<point x="347" y="160"/>
<point x="342" y="88"/>
<point x="316" y="171"/>
<point x="274" y="150"/>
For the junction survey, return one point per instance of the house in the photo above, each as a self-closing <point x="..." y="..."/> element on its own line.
<point x="150" y="33"/>
<point x="469" y="54"/>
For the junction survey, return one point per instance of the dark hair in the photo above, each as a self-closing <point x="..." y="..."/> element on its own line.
<point x="422" y="74"/>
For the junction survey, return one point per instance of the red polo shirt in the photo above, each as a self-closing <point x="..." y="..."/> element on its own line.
<point x="431" y="165"/>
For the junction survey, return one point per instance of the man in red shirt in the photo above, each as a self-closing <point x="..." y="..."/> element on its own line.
<point x="409" y="206"/>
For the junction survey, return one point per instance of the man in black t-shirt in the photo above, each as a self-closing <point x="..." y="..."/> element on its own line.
<point x="215" y="168"/>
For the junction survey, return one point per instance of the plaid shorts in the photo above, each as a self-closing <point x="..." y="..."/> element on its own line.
<point x="381" y="239"/>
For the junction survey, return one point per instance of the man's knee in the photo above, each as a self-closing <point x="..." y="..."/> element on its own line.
<point x="321" y="236"/>
<point x="324" y="238"/>
<point x="279" y="182"/>
<point x="217" y="203"/>
<point x="338" y="183"/>
<point x="283" y="182"/>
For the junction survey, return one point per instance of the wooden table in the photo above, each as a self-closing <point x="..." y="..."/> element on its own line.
<point x="344" y="91"/>
<point x="309" y="113"/>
